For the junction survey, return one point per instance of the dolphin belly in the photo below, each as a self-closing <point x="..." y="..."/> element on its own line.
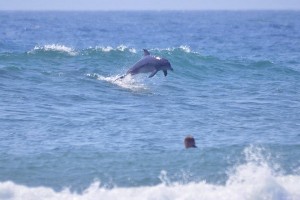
<point x="146" y="69"/>
<point x="141" y="66"/>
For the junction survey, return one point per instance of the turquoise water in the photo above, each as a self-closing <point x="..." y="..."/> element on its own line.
<point x="69" y="130"/>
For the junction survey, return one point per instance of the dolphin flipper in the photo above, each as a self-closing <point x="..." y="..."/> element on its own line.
<point x="146" y="52"/>
<point x="165" y="72"/>
<point x="153" y="73"/>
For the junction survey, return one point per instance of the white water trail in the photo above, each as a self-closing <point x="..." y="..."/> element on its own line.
<point x="128" y="82"/>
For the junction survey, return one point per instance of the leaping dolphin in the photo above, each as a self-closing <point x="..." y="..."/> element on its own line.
<point x="151" y="64"/>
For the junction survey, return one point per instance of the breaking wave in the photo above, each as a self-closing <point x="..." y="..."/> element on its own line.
<point x="254" y="179"/>
<point x="121" y="48"/>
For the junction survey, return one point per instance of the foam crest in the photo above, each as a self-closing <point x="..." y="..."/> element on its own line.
<point x="185" y="48"/>
<point x="106" y="49"/>
<point x="128" y="82"/>
<point x="181" y="48"/>
<point x="271" y="188"/>
<point x="54" y="48"/>
<point x="121" y="48"/>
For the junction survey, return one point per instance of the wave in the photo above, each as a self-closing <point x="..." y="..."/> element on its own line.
<point x="124" y="48"/>
<point x="106" y="49"/>
<point x="254" y="179"/>
<point x="185" y="60"/>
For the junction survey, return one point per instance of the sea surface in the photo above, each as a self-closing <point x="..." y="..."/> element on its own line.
<point x="70" y="130"/>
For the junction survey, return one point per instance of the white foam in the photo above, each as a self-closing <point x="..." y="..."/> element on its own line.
<point x="252" y="180"/>
<point x="104" y="49"/>
<point x="128" y="82"/>
<point x="249" y="186"/>
<point x="185" y="48"/>
<point x="122" y="48"/>
<point x="55" y="47"/>
<point x="118" y="48"/>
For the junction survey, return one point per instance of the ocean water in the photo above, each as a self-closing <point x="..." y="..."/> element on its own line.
<point x="68" y="130"/>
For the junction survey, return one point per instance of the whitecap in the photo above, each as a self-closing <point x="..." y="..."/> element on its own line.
<point x="124" y="48"/>
<point x="54" y="48"/>
<point x="121" y="48"/>
<point x="104" y="48"/>
<point x="185" y="48"/>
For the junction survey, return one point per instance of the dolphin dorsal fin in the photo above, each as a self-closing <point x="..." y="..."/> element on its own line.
<point x="146" y="52"/>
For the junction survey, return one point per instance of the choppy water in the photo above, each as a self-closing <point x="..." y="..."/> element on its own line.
<point x="68" y="130"/>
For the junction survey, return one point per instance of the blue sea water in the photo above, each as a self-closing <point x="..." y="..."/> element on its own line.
<point x="68" y="130"/>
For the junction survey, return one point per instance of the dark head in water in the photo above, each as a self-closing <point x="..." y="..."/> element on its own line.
<point x="189" y="142"/>
<point x="151" y="64"/>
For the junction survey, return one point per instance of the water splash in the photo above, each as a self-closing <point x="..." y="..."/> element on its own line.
<point x="163" y="177"/>
<point x="128" y="82"/>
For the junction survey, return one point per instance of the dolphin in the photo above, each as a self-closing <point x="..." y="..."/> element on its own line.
<point x="151" y="64"/>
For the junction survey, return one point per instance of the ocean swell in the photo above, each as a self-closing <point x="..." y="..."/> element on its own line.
<point x="187" y="63"/>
